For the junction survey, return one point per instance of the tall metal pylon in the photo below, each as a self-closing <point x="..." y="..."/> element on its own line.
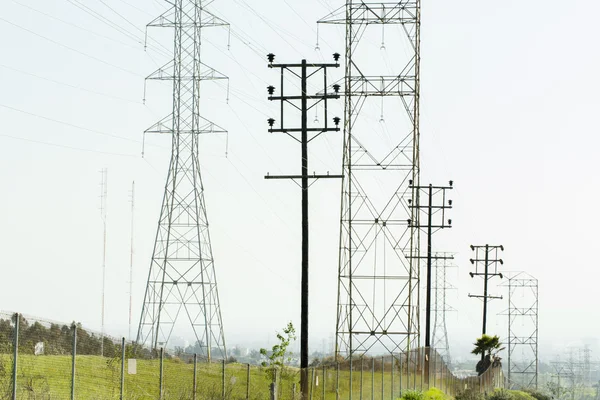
<point x="378" y="278"/>
<point x="522" y="315"/>
<point x="181" y="294"/>
<point x="439" y="337"/>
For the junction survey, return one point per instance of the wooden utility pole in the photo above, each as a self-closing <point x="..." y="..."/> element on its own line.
<point x="305" y="131"/>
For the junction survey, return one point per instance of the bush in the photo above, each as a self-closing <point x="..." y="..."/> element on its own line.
<point x="412" y="395"/>
<point x="503" y="394"/>
<point x="519" y="395"/>
<point x="500" y="394"/>
<point x="434" y="394"/>
<point x="469" y="394"/>
<point x="536" y="394"/>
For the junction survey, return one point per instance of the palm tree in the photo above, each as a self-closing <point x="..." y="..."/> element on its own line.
<point x="487" y="346"/>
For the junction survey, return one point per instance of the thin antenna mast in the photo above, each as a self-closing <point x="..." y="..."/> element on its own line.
<point x="132" y="200"/>
<point x="103" y="198"/>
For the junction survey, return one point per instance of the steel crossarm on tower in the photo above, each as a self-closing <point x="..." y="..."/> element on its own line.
<point x="398" y="13"/>
<point x="181" y="294"/>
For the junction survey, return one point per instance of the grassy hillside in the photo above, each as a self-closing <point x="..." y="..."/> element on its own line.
<point x="98" y="378"/>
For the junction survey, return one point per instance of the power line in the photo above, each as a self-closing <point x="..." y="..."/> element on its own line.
<point x="74" y="25"/>
<point x="140" y="40"/>
<point x="137" y="8"/>
<point x="105" y="20"/>
<point x="274" y="27"/>
<point x="167" y="51"/>
<point x="69" y="85"/>
<point x="70" y="124"/>
<point x="70" y="48"/>
<point x="66" y="146"/>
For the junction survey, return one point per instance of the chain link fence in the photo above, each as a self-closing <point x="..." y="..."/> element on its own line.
<point x="45" y="360"/>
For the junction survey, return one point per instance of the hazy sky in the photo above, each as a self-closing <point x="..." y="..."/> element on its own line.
<point x="508" y="111"/>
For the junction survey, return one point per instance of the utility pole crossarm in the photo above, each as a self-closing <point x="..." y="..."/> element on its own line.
<point x="314" y="176"/>
<point x="286" y="130"/>
<point x="489" y="297"/>
<point x="436" y="257"/>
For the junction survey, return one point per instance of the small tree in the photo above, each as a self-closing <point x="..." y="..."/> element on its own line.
<point x="555" y="390"/>
<point x="488" y="347"/>
<point x="279" y="355"/>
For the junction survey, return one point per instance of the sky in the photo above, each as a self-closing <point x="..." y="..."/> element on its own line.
<point x="508" y="99"/>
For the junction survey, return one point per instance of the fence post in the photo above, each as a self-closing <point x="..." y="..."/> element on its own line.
<point x="276" y="382"/>
<point x="293" y="391"/>
<point x="248" y="382"/>
<point x="312" y="383"/>
<point x="416" y="371"/>
<point x="400" y="379"/>
<point x="422" y="364"/>
<point x="442" y="366"/>
<point x="195" y="384"/>
<point x="362" y="359"/>
<point x="16" y="355"/>
<point x="337" y="381"/>
<point x="223" y="379"/>
<point x="382" y="377"/>
<point x="272" y="390"/>
<point x="324" y="375"/>
<point x="160" y="379"/>
<point x="73" y="362"/>
<point x="122" y="367"/>
<point x="392" y="375"/>
<point x="372" y="378"/>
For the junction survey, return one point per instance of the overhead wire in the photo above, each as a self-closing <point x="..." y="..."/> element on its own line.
<point x="136" y="8"/>
<point x="260" y="221"/>
<point x="66" y="146"/>
<point x="168" y="51"/>
<point x="70" y="48"/>
<point x="126" y="33"/>
<point x="105" y="20"/>
<point x="274" y="27"/>
<point x="70" y="124"/>
<point x="157" y="46"/>
<point x="70" y="85"/>
<point x="73" y="25"/>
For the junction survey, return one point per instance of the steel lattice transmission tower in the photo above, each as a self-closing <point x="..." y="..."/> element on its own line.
<point x="182" y="286"/>
<point x="439" y="337"/>
<point x="522" y="315"/>
<point x="378" y="280"/>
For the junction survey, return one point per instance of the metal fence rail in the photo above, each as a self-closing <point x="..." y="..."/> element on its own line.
<point x="47" y="360"/>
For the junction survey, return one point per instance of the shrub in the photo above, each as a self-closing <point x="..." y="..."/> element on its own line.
<point x="469" y="394"/>
<point x="412" y="395"/>
<point x="434" y="394"/>
<point x="536" y="394"/>
<point x="519" y="395"/>
<point x="500" y="394"/>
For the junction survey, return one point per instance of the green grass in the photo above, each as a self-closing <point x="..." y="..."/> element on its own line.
<point x="49" y="377"/>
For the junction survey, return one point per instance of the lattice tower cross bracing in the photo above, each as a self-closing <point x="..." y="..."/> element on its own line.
<point x="181" y="295"/>
<point x="378" y="279"/>
<point x="522" y="343"/>
<point x="439" y="337"/>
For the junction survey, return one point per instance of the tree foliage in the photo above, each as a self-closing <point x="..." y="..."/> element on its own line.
<point x="488" y="347"/>
<point x="57" y="339"/>
<point x="487" y="344"/>
<point x="279" y="355"/>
